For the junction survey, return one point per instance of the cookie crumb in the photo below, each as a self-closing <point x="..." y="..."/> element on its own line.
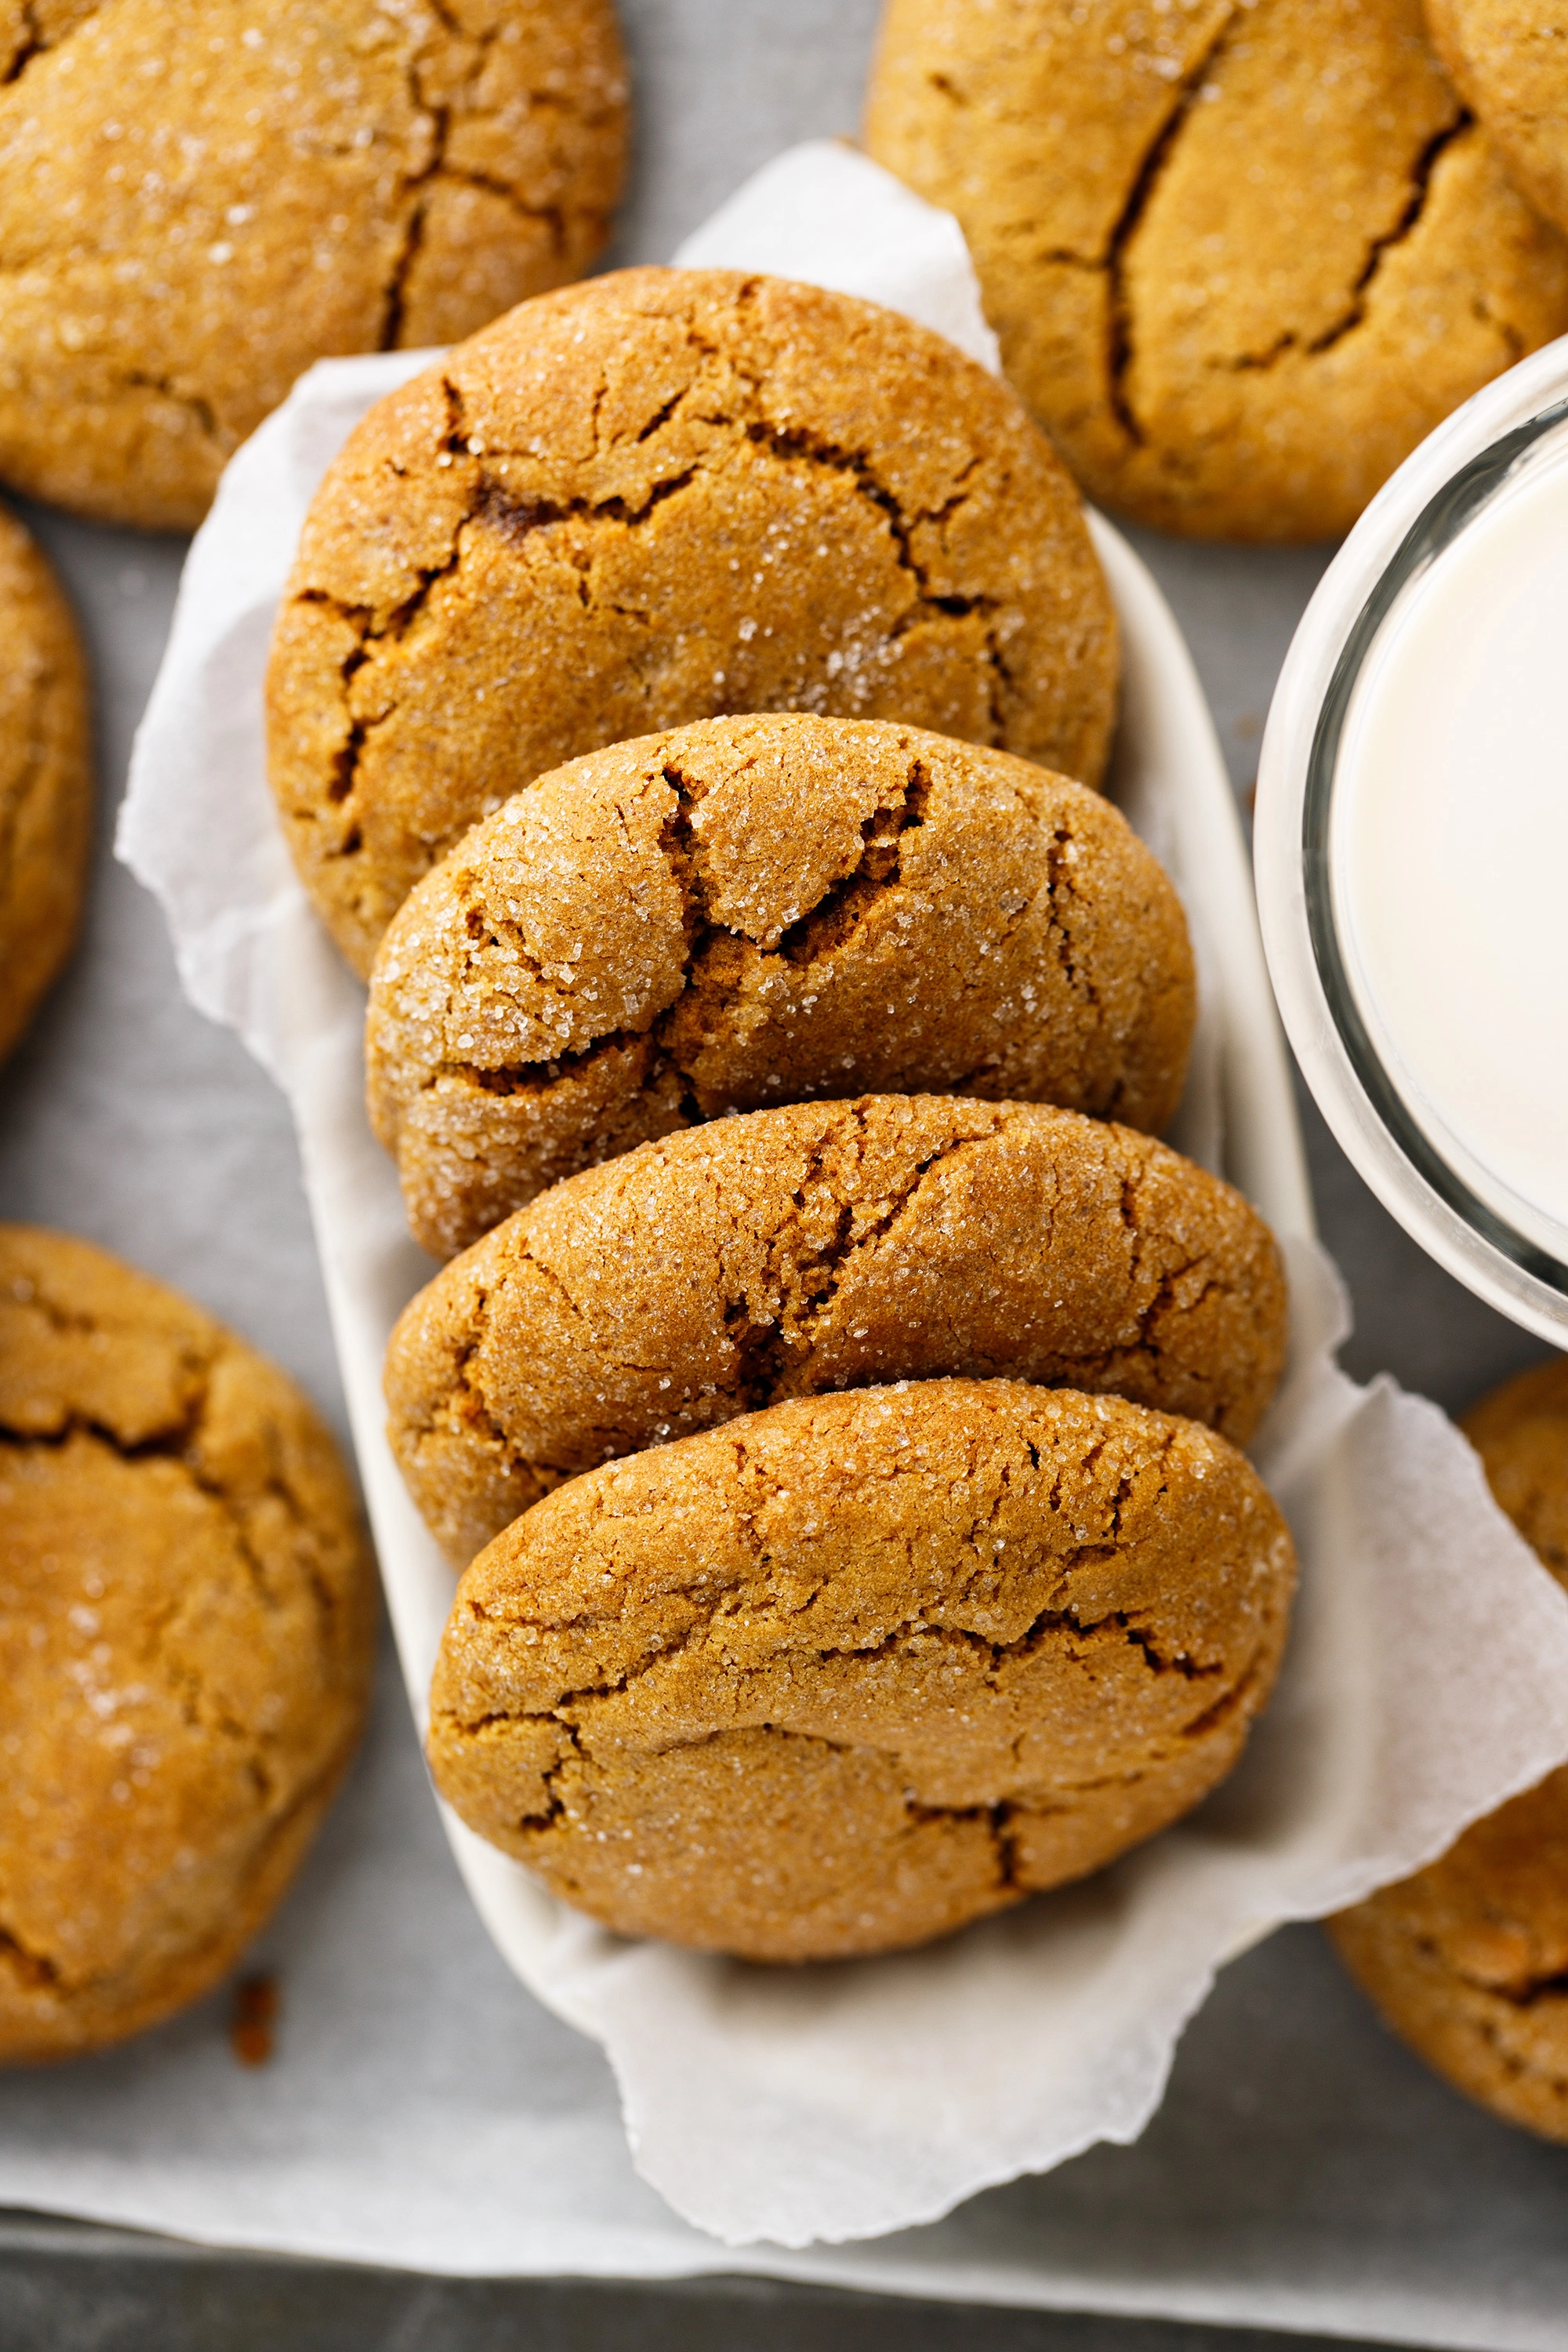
<point x="252" y="2028"/>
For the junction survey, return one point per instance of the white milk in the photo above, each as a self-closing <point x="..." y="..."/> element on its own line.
<point x="1448" y="849"/>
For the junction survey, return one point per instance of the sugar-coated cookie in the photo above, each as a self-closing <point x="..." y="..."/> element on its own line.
<point x="847" y="1673"/>
<point x="45" y="780"/>
<point x="1242" y="255"/>
<point x="827" y="1245"/>
<point x="1469" y="1959"/>
<point x="200" y="197"/>
<point x="652" y="499"/>
<point x="1510" y="60"/>
<point x="186" y="1628"/>
<point x="750" y="911"/>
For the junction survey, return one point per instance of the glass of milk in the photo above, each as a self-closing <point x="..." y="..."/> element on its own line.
<point x="1412" y="843"/>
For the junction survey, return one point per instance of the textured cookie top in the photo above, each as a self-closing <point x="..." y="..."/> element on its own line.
<point x="1008" y="1599"/>
<point x="1469" y="1959"/>
<point x="1510" y="59"/>
<point x="186" y="1613"/>
<point x="649" y="499"/>
<point x="1242" y="255"/>
<point x="826" y="1246"/>
<point x="754" y="911"/>
<point x="45" y="779"/>
<point x="1493" y="1913"/>
<point x="199" y="197"/>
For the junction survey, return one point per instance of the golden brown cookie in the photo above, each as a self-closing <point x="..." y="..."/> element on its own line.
<point x="45" y="780"/>
<point x="845" y="1673"/>
<point x="750" y="911"/>
<point x="200" y="197"/>
<point x="826" y="1246"/>
<point x="1242" y="255"/>
<point x="649" y="499"/>
<point x="1510" y="60"/>
<point x="186" y="1628"/>
<point x="1469" y="1960"/>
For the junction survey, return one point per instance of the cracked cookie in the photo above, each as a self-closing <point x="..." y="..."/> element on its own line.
<point x="200" y="197"/>
<point x="845" y="1673"/>
<point x="1510" y="60"/>
<point x="652" y="498"/>
<point x="1242" y="255"/>
<point x="45" y="780"/>
<point x="186" y="1629"/>
<point x="750" y="911"/>
<point x="819" y="1247"/>
<point x="1467" y="1960"/>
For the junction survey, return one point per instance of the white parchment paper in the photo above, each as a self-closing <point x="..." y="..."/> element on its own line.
<point x="1427" y="1675"/>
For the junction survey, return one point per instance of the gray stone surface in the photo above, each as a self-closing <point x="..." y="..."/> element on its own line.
<point x="1304" y="2170"/>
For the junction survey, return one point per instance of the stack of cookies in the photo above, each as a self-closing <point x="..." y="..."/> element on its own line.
<point x="687" y="707"/>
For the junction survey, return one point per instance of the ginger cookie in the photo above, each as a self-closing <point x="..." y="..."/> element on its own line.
<point x="750" y="911"/>
<point x="653" y="499"/>
<point x="1510" y="61"/>
<point x="820" y="1248"/>
<point x="200" y="197"/>
<point x="45" y="780"/>
<point x="845" y="1673"/>
<point x="1467" y="1960"/>
<point x="1241" y="255"/>
<point x="186" y="1629"/>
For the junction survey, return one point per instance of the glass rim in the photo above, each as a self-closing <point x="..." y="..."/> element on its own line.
<point x="1441" y="521"/>
<point x="1439" y="490"/>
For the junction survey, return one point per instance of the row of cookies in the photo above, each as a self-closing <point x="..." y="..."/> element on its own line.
<point x="639" y="1747"/>
<point x="150" y="1945"/>
<point x="813" y="1396"/>
<point x="798" y="1251"/>
<point x="809" y="1619"/>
